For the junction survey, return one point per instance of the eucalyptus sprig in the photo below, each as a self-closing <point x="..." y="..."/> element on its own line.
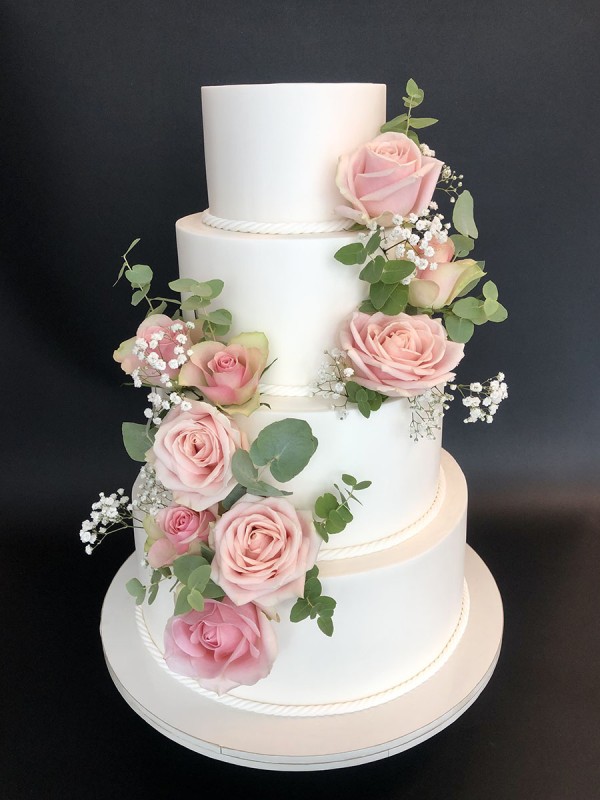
<point x="333" y="513"/>
<point x="406" y="123"/>
<point x="314" y="604"/>
<point x="138" y="590"/>
<point x="283" y="448"/>
<point x="213" y="324"/>
<point x="466" y="312"/>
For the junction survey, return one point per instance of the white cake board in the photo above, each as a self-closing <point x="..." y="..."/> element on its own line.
<point x="293" y="743"/>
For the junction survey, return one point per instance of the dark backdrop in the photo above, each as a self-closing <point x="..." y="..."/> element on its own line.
<point x="102" y="143"/>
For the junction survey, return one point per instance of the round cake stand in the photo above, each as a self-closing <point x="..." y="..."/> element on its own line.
<point x="295" y="743"/>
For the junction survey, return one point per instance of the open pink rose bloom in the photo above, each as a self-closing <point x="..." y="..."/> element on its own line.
<point x="192" y="454"/>
<point x="386" y="176"/>
<point x="263" y="548"/>
<point x="222" y="646"/>
<point x="401" y="355"/>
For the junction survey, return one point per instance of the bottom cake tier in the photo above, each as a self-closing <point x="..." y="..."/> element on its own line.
<point x="400" y="614"/>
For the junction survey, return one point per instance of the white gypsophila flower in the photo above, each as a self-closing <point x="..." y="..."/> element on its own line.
<point x="186" y="405"/>
<point x="189" y="325"/>
<point x="176" y="327"/>
<point x="475" y="387"/>
<point x="148" y="413"/>
<point x="413" y="239"/>
<point x="397" y="219"/>
<point x="412" y="218"/>
<point x="173" y="363"/>
<point x="348" y="372"/>
<point x="165" y="405"/>
<point x="411" y="255"/>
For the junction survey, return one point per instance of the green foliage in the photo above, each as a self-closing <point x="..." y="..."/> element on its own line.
<point x="246" y="474"/>
<point x="285" y="447"/>
<point x="314" y="604"/>
<point x="233" y="496"/>
<point x="349" y="254"/>
<point x="193" y="574"/>
<point x="332" y="513"/>
<point x="467" y="312"/>
<point x="136" y="589"/>
<point x="406" y="123"/>
<point x="367" y="400"/>
<point x="462" y="215"/>
<point x="462" y="244"/>
<point x="138" y="439"/>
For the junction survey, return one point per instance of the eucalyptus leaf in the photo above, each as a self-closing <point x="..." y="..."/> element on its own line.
<point x="462" y="244"/>
<point x="233" y="496"/>
<point x="499" y="315"/>
<point x="345" y="514"/>
<point x="325" y="504"/>
<point x="130" y="248"/>
<point x="462" y="215"/>
<point x="286" y="446"/>
<point x="243" y="469"/>
<point x="363" y="485"/>
<point x="300" y="610"/>
<point x="139" y="294"/>
<point x="490" y="290"/>
<point x="396" y="125"/>
<point x="373" y="271"/>
<point x="321" y="529"/>
<point x="185" y="565"/>
<point x="490" y="307"/>
<point x="349" y="480"/>
<point x="396" y="302"/>
<point x="413" y="137"/>
<point x="379" y="293"/>
<point x="325" y="625"/>
<point x="160" y="309"/>
<point x="199" y="577"/>
<point x="412" y="90"/>
<point x="137" y="440"/>
<point x="190" y="285"/>
<point x="139" y="274"/>
<point x="212" y="591"/>
<point x="182" y="605"/>
<point x="312" y="589"/>
<point x="152" y="592"/>
<point x="397" y="270"/>
<point x="194" y="303"/>
<point x="136" y="589"/>
<point x="353" y="253"/>
<point x="216" y="287"/>
<point x="335" y="522"/>
<point x="220" y="317"/>
<point x="422" y="122"/>
<point x="469" y="308"/>
<point x="367" y="307"/>
<point x="459" y="330"/>
<point x="196" y="599"/>
<point x="372" y="243"/>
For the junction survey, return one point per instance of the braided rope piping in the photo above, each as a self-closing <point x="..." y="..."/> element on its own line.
<point x="281" y="228"/>
<point x="321" y="709"/>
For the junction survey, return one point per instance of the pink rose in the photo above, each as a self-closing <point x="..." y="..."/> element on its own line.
<point x="399" y="356"/>
<point x="174" y="531"/>
<point x="133" y="353"/>
<point x="434" y="288"/>
<point x="263" y="548"/>
<point x="222" y="646"/>
<point x="389" y="176"/>
<point x="192" y="454"/>
<point x="228" y="375"/>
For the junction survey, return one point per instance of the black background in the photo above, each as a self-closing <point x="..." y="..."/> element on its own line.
<point x="102" y="143"/>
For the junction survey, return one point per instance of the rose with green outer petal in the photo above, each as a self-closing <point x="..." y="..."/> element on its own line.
<point x="228" y="374"/>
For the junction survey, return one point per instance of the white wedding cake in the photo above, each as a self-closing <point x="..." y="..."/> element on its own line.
<point x="270" y="234"/>
<point x="300" y="533"/>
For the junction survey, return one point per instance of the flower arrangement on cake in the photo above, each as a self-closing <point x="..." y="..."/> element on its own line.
<point x="223" y="534"/>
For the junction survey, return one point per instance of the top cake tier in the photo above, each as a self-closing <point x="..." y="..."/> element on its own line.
<point x="271" y="150"/>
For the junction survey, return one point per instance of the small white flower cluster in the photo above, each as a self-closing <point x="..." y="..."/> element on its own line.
<point x="107" y="512"/>
<point x="149" y="351"/>
<point x="413" y="237"/>
<point x="484" y="398"/>
<point x="151" y="495"/>
<point x="427" y="413"/>
<point x="453" y="180"/>
<point x="331" y="380"/>
<point x="427" y="151"/>
<point x="160" y="402"/>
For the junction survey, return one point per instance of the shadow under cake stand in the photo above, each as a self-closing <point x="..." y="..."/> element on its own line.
<point x="303" y="743"/>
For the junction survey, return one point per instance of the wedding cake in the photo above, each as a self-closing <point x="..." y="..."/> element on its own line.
<point x="299" y="531"/>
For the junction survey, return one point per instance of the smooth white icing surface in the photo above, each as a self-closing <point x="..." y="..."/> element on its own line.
<point x="396" y="611"/>
<point x="271" y="150"/>
<point x="404" y="473"/>
<point x="289" y="287"/>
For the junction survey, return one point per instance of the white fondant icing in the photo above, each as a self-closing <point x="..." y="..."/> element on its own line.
<point x="271" y="150"/>
<point x="289" y="287"/>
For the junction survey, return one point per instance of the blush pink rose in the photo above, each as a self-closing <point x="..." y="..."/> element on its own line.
<point x="228" y="375"/>
<point x="154" y="324"/>
<point x="175" y="531"/>
<point x="399" y="356"/>
<point x="192" y="454"/>
<point x="387" y="176"/>
<point x="263" y="548"/>
<point x="434" y="288"/>
<point x="222" y="646"/>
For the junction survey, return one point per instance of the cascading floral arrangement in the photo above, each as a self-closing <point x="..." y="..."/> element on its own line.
<point x="408" y="335"/>
<point x="221" y="531"/>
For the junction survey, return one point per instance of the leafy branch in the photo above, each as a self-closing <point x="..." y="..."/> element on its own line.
<point x="406" y="123"/>
<point x="314" y="604"/>
<point x="333" y="512"/>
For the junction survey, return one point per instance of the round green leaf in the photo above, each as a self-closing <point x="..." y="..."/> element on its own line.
<point x="287" y="446"/>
